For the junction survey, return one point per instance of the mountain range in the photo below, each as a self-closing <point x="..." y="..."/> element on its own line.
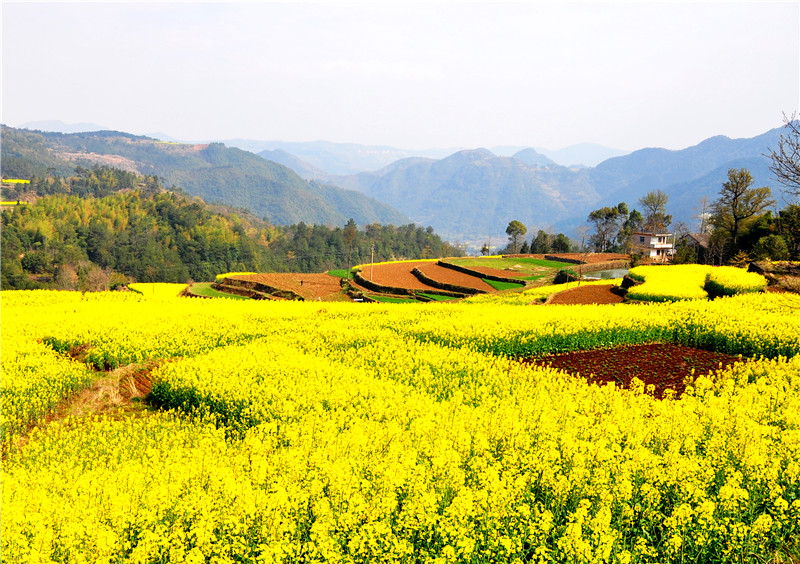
<point x="216" y="173"/>
<point x="468" y="196"/>
<point x="472" y="195"/>
<point x="351" y="158"/>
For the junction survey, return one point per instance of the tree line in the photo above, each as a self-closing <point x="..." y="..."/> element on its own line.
<point x="736" y="227"/>
<point x="542" y="243"/>
<point x="105" y="227"/>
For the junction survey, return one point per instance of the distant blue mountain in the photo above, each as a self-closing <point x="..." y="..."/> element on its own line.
<point x="532" y="158"/>
<point x="689" y="174"/>
<point x="61" y="127"/>
<point x="472" y="194"/>
<point x="338" y="158"/>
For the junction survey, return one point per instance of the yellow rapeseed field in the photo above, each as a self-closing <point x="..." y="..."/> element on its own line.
<point x="691" y="282"/>
<point x="301" y="432"/>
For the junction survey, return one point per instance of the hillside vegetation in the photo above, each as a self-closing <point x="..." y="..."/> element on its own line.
<point x="216" y="173"/>
<point x="106" y="226"/>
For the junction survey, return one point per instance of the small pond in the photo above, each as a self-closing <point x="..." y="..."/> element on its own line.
<point x="607" y="274"/>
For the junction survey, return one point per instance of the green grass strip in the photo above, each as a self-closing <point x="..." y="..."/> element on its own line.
<point x="500" y="286"/>
<point x="391" y="300"/>
<point x="543" y="262"/>
<point x="205" y="289"/>
<point x="340" y="272"/>
<point x="437" y="297"/>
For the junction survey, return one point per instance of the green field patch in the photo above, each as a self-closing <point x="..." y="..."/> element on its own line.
<point x="391" y="299"/>
<point x="437" y="297"/>
<point x="500" y="286"/>
<point x="205" y="289"/>
<point x="340" y="272"/>
<point x="543" y="262"/>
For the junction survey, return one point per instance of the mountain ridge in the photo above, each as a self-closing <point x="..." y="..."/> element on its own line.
<point x="473" y="193"/>
<point x="212" y="171"/>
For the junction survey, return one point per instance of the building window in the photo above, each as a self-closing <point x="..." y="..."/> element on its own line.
<point x="641" y="239"/>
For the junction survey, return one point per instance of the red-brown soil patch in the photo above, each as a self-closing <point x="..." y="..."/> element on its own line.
<point x="396" y="275"/>
<point x="446" y="275"/>
<point x="500" y="272"/>
<point x="599" y="294"/>
<point x="665" y="366"/>
<point x="310" y="286"/>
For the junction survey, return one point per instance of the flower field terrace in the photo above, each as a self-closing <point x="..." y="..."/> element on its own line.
<point x="692" y="281"/>
<point x="308" y="432"/>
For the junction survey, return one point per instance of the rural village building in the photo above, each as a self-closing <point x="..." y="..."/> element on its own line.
<point x="657" y="246"/>
<point x="701" y="244"/>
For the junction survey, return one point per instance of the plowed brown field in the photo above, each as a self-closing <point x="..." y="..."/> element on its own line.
<point x="450" y="276"/>
<point x="310" y="286"/>
<point x="600" y="294"/>
<point x="662" y="365"/>
<point x="498" y="272"/>
<point x="396" y="275"/>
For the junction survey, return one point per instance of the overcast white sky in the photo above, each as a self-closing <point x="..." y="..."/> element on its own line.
<point x="412" y="75"/>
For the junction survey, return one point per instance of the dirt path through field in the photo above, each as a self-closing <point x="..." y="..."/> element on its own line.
<point x="119" y="393"/>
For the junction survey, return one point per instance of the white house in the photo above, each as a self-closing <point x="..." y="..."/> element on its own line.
<point x="657" y="246"/>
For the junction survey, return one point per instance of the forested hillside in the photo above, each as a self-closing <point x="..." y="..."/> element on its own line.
<point x="216" y="173"/>
<point x="104" y="227"/>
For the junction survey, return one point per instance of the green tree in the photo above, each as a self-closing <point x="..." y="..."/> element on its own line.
<point x="561" y="243"/>
<point x="631" y="225"/>
<point x="789" y="224"/>
<point x="607" y="222"/>
<point x="654" y="204"/>
<point x="516" y="230"/>
<point x="350" y="238"/>
<point x="541" y="244"/>
<point x="738" y="204"/>
<point x="771" y="247"/>
<point x="684" y="253"/>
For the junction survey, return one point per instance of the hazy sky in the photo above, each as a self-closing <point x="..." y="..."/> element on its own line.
<point x="408" y="74"/>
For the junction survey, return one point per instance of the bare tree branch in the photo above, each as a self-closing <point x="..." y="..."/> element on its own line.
<point x="786" y="158"/>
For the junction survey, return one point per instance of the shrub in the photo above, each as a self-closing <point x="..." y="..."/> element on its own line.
<point x="771" y="247"/>
<point x="565" y="275"/>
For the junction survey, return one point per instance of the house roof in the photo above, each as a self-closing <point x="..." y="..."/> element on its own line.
<point x="702" y="239"/>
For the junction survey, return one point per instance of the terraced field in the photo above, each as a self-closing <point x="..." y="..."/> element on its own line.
<point x="402" y="281"/>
